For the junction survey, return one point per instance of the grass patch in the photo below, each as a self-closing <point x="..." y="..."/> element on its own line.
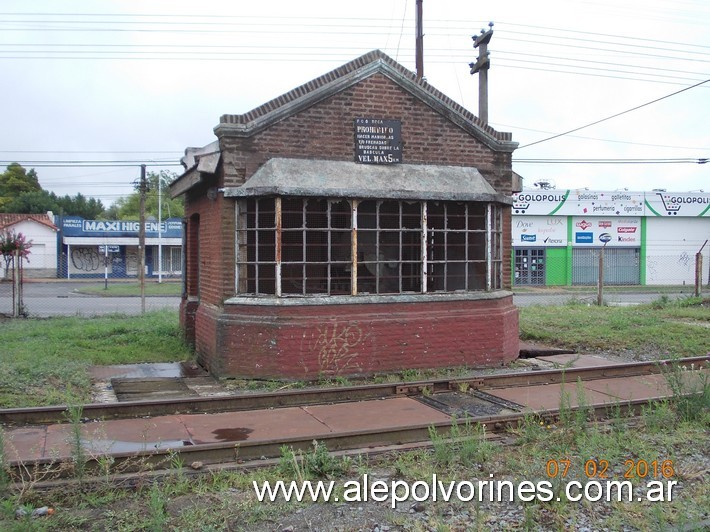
<point x="652" y="327"/>
<point x="132" y="289"/>
<point x="45" y="361"/>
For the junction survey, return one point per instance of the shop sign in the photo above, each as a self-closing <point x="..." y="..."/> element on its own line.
<point x="584" y="238"/>
<point x="111" y="249"/>
<point x="539" y="231"/>
<point x="610" y="204"/>
<point x="611" y="232"/>
<point x="677" y="204"/>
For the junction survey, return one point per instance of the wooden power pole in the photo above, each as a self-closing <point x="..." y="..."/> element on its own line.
<point x="420" y="41"/>
<point x="480" y="67"/>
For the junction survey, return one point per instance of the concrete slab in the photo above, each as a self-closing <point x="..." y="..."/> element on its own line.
<point x="549" y="396"/>
<point x="578" y="361"/>
<point x="377" y="414"/>
<point x="155" y="388"/>
<point x="257" y="425"/>
<point x="642" y="387"/>
<point x="137" y="371"/>
<point x="134" y="435"/>
<point x="26" y="443"/>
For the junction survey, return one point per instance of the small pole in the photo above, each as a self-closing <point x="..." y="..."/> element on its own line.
<point x="420" y="41"/>
<point x="17" y="299"/>
<point x="105" y="266"/>
<point x="141" y="239"/>
<point x="160" y="232"/>
<point x="600" y="287"/>
<point x="699" y="271"/>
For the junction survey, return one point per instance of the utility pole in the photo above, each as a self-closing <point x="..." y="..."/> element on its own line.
<point x="481" y="66"/>
<point x="160" y="232"/>
<point x="420" y="41"/>
<point x="141" y="238"/>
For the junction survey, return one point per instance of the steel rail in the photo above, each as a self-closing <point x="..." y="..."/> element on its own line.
<point x="258" y="401"/>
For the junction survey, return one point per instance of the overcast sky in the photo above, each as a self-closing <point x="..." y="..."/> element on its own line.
<point x="140" y="81"/>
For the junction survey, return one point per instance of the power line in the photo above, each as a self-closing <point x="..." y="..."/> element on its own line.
<point x="614" y="115"/>
<point x="685" y="160"/>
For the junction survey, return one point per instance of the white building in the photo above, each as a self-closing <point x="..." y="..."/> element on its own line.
<point x="41" y="231"/>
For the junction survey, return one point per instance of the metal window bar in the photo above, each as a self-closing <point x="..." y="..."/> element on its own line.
<point x="424" y="254"/>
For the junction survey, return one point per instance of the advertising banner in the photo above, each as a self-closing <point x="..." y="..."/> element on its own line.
<point x="615" y="232"/>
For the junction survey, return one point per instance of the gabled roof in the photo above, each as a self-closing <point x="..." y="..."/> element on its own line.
<point x="347" y="75"/>
<point x="7" y="220"/>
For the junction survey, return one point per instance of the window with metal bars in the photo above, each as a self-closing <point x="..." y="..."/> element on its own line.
<point x="289" y="246"/>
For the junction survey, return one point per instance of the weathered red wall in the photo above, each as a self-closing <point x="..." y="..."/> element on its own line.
<point x="310" y="341"/>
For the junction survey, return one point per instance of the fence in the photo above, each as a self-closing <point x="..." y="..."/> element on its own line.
<point x="627" y="275"/>
<point x="42" y="298"/>
<point x="540" y="277"/>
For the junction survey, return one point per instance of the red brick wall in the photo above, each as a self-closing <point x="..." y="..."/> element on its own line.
<point x="310" y="341"/>
<point x="325" y="131"/>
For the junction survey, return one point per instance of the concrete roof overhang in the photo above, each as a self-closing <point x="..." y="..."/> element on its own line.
<point x="323" y="178"/>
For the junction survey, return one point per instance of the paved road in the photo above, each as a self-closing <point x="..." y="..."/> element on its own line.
<point x="611" y="298"/>
<point x="60" y="298"/>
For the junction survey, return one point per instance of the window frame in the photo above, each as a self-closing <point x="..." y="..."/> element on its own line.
<point x="255" y="260"/>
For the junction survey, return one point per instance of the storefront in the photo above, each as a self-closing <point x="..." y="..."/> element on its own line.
<point x="98" y="248"/>
<point x="649" y="238"/>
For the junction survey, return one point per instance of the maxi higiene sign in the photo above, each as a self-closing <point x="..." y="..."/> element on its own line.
<point x="378" y="141"/>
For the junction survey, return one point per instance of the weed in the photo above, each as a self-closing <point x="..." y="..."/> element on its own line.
<point x="661" y="302"/>
<point x="658" y="416"/>
<point x="73" y="415"/>
<point x="690" y="389"/>
<point x="530" y="430"/>
<point x="157" y="518"/>
<point x="411" y="375"/>
<point x="465" y="444"/>
<point x="318" y="463"/>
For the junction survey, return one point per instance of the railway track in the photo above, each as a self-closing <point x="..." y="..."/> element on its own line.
<point x="485" y="400"/>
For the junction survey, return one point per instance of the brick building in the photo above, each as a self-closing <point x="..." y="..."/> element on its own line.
<point x="357" y="224"/>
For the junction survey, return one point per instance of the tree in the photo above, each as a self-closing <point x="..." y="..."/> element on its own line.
<point x="79" y="205"/>
<point x="12" y="243"/>
<point x="41" y="201"/>
<point x="15" y="180"/>
<point x="128" y="208"/>
<point x="34" y="202"/>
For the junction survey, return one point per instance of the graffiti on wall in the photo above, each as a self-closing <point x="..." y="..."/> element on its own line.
<point x="86" y="259"/>
<point x="337" y="346"/>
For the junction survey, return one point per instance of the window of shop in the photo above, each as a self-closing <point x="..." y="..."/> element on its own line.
<point x="622" y="266"/>
<point x="289" y="246"/>
<point x="172" y="260"/>
<point x="530" y="266"/>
